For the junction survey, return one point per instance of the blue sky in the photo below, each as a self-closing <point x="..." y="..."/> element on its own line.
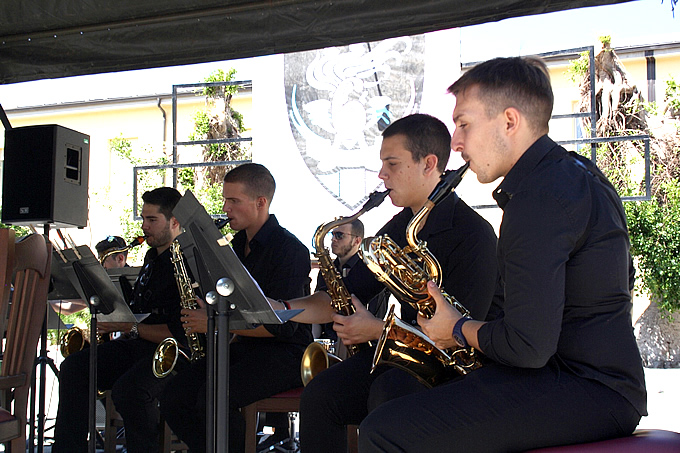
<point x="637" y="22"/>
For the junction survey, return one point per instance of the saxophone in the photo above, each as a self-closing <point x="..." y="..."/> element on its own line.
<point x="315" y="358"/>
<point x="168" y="351"/>
<point x="406" y="271"/>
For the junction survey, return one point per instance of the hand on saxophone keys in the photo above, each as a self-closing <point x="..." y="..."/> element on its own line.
<point x="195" y="320"/>
<point x="439" y="327"/>
<point x="360" y="327"/>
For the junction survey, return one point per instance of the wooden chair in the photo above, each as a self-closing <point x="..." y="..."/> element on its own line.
<point x="113" y="424"/>
<point x="31" y="266"/>
<point x="168" y="441"/>
<point x="288" y="401"/>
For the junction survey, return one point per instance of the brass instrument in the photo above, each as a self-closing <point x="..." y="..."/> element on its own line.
<point x="406" y="271"/>
<point x="73" y="340"/>
<point x="316" y="358"/>
<point x="168" y="351"/>
<point x="139" y="240"/>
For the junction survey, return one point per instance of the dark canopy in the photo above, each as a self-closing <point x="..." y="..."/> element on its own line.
<point x="58" y="38"/>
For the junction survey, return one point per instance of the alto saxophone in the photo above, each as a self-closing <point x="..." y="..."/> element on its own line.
<point x="406" y="271"/>
<point x="315" y="358"/>
<point x="168" y="351"/>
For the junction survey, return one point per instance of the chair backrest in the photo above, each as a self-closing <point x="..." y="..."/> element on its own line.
<point x="6" y="271"/>
<point x="32" y="257"/>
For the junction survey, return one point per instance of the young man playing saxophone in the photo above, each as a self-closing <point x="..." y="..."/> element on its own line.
<point x="563" y="365"/>
<point x="124" y="364"/>
<point x="414" y="154"/>
<point x="264" y="360"/>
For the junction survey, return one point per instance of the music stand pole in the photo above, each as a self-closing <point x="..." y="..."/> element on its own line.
<point x="92" y="392"/>
<point x="222" y="380"/>
<point x="210" y="381"/>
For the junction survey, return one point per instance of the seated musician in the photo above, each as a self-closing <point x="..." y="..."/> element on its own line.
<point x="108" y="249"/>
<point x="345" y="241"/>
<point x="124" y="364"/>
<point x="414" y="154"/>
<point x="264" y="360"/>
<point x="564" y="366"/>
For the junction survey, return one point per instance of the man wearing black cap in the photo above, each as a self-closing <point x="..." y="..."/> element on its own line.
<point x="107" y="247"/>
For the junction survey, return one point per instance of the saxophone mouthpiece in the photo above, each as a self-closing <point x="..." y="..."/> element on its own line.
<point x="139" y="240"/>
<point x="221" y="222"/>
<point x="448" y="182"/>
<point x="375" y="199"/>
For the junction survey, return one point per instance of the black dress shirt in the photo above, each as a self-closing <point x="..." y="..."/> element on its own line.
<point x="563" y="254"/>
<point x="463" y="243"/>
<point x="155" y="292"/>
<point x="280" y="264"/>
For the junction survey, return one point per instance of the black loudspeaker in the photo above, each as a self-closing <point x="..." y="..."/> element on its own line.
<point x="45" y="176"/>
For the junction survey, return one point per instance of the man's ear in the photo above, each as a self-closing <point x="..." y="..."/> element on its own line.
<point x="174" y="223"/>
<point x="513" y="120"/>
<point x="261" y="202"/>
<point x="431" y="162"/>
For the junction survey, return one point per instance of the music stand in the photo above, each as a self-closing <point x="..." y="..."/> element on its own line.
<point x="237" y="303"/>
<point x="106" y="304"/>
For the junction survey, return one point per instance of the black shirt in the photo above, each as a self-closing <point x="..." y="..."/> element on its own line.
<point x="346" y="268"/>
<point x="155" y="292"/>
<point x="564" y="257"/>
<point x="463" y="243"/>
<point x="280" y="264"/>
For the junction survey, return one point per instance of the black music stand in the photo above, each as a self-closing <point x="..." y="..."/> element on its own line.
<point x="106" y="303"/>
<point x="236" y="302"/>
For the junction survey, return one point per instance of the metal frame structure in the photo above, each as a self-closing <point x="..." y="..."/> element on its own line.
<point x="175" y="144"/>
<point x="594" y="139"/>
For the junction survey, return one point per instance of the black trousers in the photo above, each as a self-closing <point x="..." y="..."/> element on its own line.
<point x="256" y="371"/>
<point x="343" y="395"/>
<point x="499" y="409"/>
<point x="123" y="366"/>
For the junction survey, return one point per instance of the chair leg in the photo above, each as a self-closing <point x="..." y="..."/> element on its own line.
<point x="250" y="416"/>
<point x="352" y="439"/>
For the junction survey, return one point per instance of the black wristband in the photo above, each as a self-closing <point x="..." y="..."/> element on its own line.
<point x="285" y="304"/>
<point x="458" y="332"/>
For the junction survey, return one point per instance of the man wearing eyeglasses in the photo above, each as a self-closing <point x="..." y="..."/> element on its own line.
<point x="345" y="241"/>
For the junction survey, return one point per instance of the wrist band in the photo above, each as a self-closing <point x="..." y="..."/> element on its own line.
<point x="285" y="304"/>
<point x="458" y="332"/>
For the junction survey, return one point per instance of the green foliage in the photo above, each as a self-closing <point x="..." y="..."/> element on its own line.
<point x="606" y="40"/>
<point x="578" y="68"/>
<point x="220" y="91"/>
<point x="655" y="240"/>
<point x="19" y="231"/>
<point x="672" y="94"/>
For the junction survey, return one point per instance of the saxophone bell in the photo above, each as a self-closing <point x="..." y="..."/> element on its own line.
<point x="166" y="358"/>
<point x="168" y="353"/>
<point x="315" y="359"/>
